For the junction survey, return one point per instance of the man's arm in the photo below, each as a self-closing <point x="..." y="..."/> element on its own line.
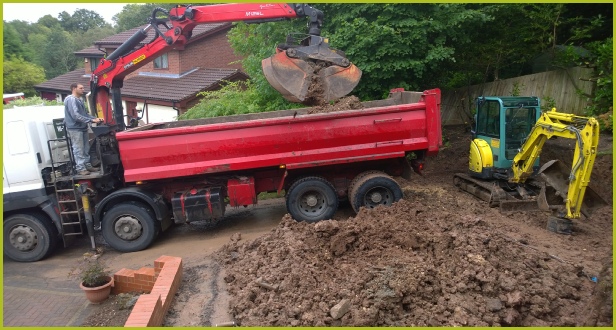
<point x="74" y="109"/>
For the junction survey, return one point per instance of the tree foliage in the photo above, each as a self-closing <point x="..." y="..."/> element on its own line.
<point x="11" y="43"/>
<point x="231" y="99"/>
<point x="136" y="14"/>
<point x="399" y="45"/>
<point x="255" y="42"/>
<point x="58" y="57"/>
<point x="82" y="20"/>
<point x="19" y="76"/>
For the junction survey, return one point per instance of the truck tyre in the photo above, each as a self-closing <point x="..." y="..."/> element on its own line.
<point x="29" y="237"/>
<point x="129" y="227"/>
<point x="373" y="188"/>
<point x="312" y="199"/>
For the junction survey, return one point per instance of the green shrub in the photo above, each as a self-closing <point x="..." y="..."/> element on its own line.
<point x="35" y="100"/>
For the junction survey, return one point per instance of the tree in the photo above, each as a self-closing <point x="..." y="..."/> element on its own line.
<point x="255" y="42"/>
<point x="48" y="21"/>
<point x="86" y="39"/>
<point x="19" y="76"/>
<point x="82" y="20"/>
<point x="12" y="44"/>
<point x="399" y="45"/>
<point x="58" y="56"/>
<point x="134" y="15"/>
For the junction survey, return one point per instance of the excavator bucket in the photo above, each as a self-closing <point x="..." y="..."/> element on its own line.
<point x="556" y="175"/>
<point x="297" y="79"/>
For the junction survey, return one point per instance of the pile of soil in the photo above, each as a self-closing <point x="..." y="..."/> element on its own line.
<point x="439" y="257"/>
<point x="345" y="103"/>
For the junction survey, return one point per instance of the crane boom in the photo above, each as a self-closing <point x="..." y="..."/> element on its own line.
<point x="107" y="79"/>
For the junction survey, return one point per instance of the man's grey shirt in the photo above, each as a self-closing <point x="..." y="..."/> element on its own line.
<point x="75" y="115"/>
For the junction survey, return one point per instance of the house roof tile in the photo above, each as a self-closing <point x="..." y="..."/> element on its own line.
<point x="152" y="87"/>
<point x="91" y="51"/>
<point x="198" y="31"/>
<point x="180" y="88"/>
<point x="61" y="84"/>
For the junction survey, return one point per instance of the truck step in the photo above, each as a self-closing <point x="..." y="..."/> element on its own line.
<point x="68" y="201"/>
<point x="65" y="190"/>
<point x="70" y="212"/>
<point x="71" y="223"/>
<point x="73" y="234"/>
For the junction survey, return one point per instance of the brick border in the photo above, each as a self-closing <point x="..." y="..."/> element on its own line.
<point x="159" y="285"/>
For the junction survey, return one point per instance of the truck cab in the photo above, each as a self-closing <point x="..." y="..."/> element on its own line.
<point x="31" y="222"/>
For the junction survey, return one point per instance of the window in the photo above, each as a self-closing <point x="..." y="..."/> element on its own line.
<point x="161" y="62"/>
<point x="93" y="63"/>
<point x="488" y="119"/>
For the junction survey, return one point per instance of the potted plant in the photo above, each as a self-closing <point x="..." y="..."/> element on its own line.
<point x="94" y="277"/>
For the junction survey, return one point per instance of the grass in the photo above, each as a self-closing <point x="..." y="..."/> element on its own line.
<point x="605" y="152"/>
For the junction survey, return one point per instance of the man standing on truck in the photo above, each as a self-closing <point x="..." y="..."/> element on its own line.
<point x="76" y="121"/>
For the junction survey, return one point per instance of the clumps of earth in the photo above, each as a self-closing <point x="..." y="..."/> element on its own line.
<point x="317" y="96"/>
<point x="345" y="103"/>
<point x="417" y="263"/>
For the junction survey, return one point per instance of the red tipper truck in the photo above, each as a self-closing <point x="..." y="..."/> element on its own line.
<point x="197" y="167"/>
<point x="177" y="172"/>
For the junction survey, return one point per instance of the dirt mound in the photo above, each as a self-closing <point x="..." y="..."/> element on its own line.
<point x="345" y="103"/>
<point x="439" y="257"/>
<point x="408" y="265"/>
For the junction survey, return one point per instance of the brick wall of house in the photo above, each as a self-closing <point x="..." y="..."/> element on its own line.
<point x="212" y="52"/>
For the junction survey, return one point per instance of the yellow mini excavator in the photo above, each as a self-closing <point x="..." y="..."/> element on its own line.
<point x="508" y="138"/>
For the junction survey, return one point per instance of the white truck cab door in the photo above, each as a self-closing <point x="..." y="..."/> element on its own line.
<point x="20" y="160"/>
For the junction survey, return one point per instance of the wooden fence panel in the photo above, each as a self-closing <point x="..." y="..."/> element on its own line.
<point x="559" y="85"/>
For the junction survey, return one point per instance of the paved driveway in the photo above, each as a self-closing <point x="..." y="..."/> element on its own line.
<point x="40" y="294"/>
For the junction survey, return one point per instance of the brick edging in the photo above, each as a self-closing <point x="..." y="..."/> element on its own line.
<point x="159" y="285"/>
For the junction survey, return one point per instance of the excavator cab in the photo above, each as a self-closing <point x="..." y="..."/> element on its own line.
<point x="501" y="126"/>
<point x="306" y="70"/>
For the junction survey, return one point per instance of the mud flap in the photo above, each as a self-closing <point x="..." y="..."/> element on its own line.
<point x="556" y="174"/>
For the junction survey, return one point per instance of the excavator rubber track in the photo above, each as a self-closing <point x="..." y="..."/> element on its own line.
<point x="496" y="196"/>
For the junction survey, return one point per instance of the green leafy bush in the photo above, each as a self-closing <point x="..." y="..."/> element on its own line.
<point x="35" y="100"/>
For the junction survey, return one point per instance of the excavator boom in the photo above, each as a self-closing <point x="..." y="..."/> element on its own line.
<point x="585" y="131"/>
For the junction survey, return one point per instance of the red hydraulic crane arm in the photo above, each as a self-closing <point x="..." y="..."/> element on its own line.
<point x="107" y="79"/>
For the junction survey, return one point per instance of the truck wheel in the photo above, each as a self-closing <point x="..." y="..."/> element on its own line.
<point x="373" y="188"/>
<point x="28" y="237"/>
<point x="312" y="199"/>
<point x="129" y="227"/>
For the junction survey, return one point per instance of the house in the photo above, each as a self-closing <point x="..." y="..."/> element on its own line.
<point x="169" y="84"/>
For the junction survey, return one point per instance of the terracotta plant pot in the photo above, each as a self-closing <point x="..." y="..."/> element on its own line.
<point x="98" y="294"/>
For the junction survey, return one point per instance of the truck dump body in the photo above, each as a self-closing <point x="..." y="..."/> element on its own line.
<point x="405" y="122"/>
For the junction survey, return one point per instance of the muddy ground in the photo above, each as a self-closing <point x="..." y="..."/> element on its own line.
<point x="439" y="257"/>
